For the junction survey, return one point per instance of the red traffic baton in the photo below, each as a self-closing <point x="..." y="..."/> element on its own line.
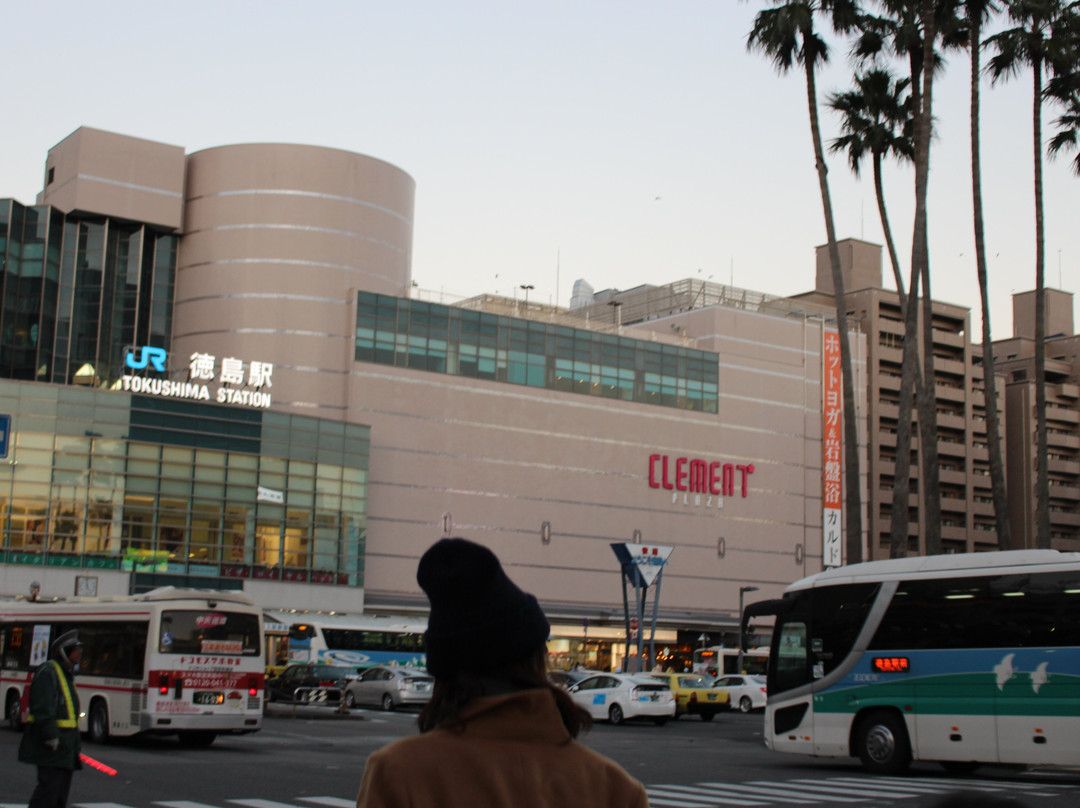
<point x="97" y="764"/>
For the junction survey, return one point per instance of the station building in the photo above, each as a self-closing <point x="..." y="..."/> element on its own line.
<point x="219" y="373"/>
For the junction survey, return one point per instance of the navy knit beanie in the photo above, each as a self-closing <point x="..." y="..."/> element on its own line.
<point x="480" y="620"/>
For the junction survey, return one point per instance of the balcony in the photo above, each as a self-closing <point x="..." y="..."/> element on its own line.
<point x="956" y="505"/>
<point x="949" y="366"/>
<point x="888" y="353"/>
<point x="949" y="338"/>
<point x="946" y="393"/>
<point x="1060" y="466"/>
<point x="948" y="448"/>
<point x="1064" y="519"/>
<point x="954" y="532"/>
<point x="950" y="421"/>
<point x="1062" y="440"/>
<point x="1069" y="391"/>
<point x="1062" y="415"/>
<point x="952" y="477"/>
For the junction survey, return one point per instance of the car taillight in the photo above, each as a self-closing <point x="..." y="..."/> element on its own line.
<point x="327" y="683"/>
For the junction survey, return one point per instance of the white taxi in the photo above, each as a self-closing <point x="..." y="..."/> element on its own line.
<point x="616" y="697"/>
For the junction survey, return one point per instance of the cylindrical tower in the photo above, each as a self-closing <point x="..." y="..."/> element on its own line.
<point x="277" y="239"/>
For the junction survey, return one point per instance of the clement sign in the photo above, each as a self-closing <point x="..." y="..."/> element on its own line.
<point x="235" y="380"/>
<point x="696" y="476"/>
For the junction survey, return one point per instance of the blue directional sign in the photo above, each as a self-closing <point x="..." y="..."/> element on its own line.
<point x="5" y="434"/>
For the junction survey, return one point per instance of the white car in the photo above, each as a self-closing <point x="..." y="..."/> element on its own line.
<point x="747" y="692"/>
<point x="616" y="697"/>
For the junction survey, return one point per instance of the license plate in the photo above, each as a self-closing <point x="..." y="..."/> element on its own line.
<point x="208" y="697"/>
<point x="712" y="697"/>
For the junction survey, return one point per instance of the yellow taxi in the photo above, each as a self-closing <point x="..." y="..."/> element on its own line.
<point x="695" y="695"/>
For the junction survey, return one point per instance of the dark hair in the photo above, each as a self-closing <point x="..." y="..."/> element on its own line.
<point x="452" y="693"/>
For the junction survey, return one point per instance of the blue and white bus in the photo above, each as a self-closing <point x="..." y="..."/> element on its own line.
<point x="355" y="641"/>
<point x="963" y="659"/>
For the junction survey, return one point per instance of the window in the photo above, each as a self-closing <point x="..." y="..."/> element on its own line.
<point x="209" y="632"/>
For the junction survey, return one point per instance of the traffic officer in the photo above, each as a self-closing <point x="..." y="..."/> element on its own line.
<point x="51" y="740"/>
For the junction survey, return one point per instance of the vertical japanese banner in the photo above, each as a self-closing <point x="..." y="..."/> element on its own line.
<point x="832" y="444"/>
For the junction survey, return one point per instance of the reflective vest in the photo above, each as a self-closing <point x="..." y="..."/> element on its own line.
<point x="64" y="723"/>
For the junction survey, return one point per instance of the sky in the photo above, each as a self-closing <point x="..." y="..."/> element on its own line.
<point x="621" y="143"/>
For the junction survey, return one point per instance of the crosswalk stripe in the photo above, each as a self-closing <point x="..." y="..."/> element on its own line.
<point x="695" y="800"/>
<point x="12" y="805"/>
<point x="262" y="803"/>
<point x="916" y="786"/>
<point x="854" y="794"/>
<point x="183" y="804"/>
<point x="941" y="785"/>
<point x="777" y="796"/>
<point x="333" y="802"/>
<point x="100" y="805"/>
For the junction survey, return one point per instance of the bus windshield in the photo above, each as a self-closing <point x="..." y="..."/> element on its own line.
<point x="209" y="632"/>
<point x="805" y="649"/>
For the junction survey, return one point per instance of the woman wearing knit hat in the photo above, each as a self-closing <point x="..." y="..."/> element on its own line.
<point x="496" y="732"/>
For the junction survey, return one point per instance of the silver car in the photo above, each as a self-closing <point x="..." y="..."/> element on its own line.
<point x="390" y="687"/>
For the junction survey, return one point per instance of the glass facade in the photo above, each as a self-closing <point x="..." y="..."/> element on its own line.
<point x="463" y="342"/>
<point x="76" y="291"/>
<point x="194" y="493"/>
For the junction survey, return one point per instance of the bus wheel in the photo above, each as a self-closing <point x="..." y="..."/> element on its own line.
<point x="959" y="766"/>
<point x="98" y="723"/>
<point x="882" y="743"/>
<point x="197" y="738"/>
<point x="13" y="711"/>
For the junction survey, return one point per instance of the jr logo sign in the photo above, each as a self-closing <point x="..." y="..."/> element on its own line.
<point x="154" y="357"/>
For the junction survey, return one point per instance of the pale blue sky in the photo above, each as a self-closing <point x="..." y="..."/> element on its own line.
<point x="539" y="135"/>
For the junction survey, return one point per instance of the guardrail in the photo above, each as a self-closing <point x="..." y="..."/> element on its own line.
<point x="317" y="695"/>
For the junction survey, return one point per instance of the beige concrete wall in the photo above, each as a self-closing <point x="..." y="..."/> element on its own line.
<point x="115" y="175"/>
<point x="277" y="240"/>
<point x="1059" y="313"/>
<point x="860" y="261"/>
<point x="503" y="459"/>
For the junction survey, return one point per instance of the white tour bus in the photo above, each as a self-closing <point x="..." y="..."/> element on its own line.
<point x="963" y="659"/>
<point x="355" y="641"/>
<point x="721" y="661"/>
<point x="177" y="661"/>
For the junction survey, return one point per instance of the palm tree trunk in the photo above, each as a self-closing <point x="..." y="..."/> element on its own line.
<point x="852" y="475"/>
<point x="900" y="520"/>
<point x="899" y="527"/>
<point x="1042" y="475"/>
<point x="920" y="258"/>
<point x="993" y="429"/>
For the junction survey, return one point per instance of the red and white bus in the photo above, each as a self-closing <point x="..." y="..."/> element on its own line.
<point x="170" y="661"/>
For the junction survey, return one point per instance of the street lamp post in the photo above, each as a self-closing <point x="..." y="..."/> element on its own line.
<point x="527" y="287"/>
<point x="742" y="591"/>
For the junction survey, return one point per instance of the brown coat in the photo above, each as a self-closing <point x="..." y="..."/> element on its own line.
<point x="513" y="751"/>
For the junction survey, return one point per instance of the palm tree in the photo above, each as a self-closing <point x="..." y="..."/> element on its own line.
<point x="1068" y="134"/>
<point x="1028" y="44"/>
<point x="977" y="12"/>
<point x="1064" y="87"/>
<point x="876" y="118"/>
<point x="911" y="29"/>
<point x="785" y="34"/>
